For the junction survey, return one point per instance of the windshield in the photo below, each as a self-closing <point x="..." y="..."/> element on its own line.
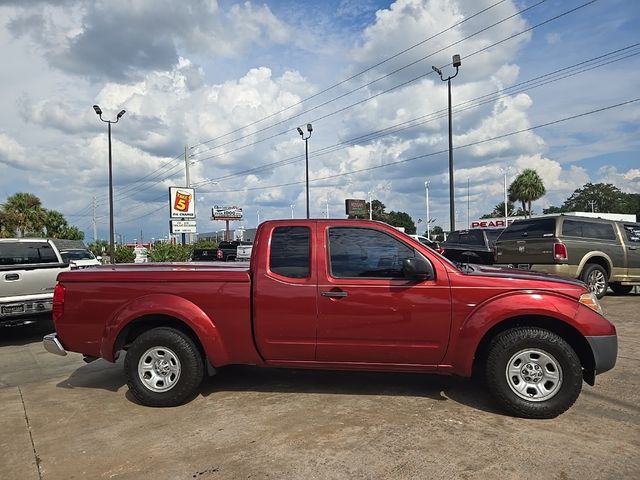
<point x="68" y="255"/>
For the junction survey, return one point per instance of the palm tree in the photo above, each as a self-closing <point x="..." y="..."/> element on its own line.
<point x="55" y="223"/>
<point x="527" y="187"/>
<point x="23" y="214"/>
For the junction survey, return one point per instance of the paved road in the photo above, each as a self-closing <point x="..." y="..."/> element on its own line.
<point x="62" y="419"/>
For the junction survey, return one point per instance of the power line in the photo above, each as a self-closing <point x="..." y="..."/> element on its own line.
<point x="403" y="84"/>
<point x="430" y="72"/>
<point x="431" y="154"/>
<point x="327" y="89"/>
<point x="541" y="80"/>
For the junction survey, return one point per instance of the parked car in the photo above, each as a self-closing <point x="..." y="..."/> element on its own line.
<point x="204" y="254"/>
<point x="602" y="253"/>
<point x="28" y="270"/>
<point x="227" y="251"/>
<point x="340" y="295"/>
<point x="429" y="243"/>
<point x="243" y="252"/>
<point x="476" y="245"/>
<point x="79" y="258"/>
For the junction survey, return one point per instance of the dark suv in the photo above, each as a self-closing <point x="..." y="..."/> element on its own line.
<point x="602" y="253"/>
<point x="476" y="245"/>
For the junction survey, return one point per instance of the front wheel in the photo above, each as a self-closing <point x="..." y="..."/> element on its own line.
<point x="164" y="367"/>
<point x="533" y="373"/>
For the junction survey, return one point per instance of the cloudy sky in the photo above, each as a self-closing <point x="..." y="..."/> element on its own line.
<point x="551" y="85"/>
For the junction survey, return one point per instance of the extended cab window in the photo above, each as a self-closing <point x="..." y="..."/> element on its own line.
<point x="579" y="228"/>
<point x="363" y="252"/>
<point x="633" y="233"/>
<point x="290" y="251"/>
<point x="24" y="253"/>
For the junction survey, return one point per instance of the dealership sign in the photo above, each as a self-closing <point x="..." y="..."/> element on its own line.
<point x="354" y="207"/>
<point x="182" y="226"/>
<point x="182" y="202"/>
<point x="491" y="223"/>
<point x="226" y="213"/>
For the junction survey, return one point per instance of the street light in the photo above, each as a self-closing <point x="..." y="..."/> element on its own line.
<point x="306" y="157"/>
<point x="505" y="172"/>
<point x="109" y="122"/>
<point x="291" y="210"/>
<point x="426" y="188"/>
<point x="452" y="216"/>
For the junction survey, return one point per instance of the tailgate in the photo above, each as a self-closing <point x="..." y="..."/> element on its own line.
<point x="525" y="251"/>
<point x="35" y="280"/>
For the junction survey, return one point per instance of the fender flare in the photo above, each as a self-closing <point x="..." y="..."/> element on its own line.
<point x="170" y="305"/>
<point x="589" y="256"/>
<point x="465" y="342"/>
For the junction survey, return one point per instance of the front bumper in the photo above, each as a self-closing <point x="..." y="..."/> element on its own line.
<point x="605" y="352"/>
<point x="53" y="345"/>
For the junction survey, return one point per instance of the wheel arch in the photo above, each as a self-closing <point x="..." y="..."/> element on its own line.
<point x="567" y="332"/>
<point x="599" y="258"/>
<point x="163" y="310"/>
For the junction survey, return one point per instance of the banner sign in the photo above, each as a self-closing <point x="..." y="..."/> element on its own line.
<point x="182" y="202"/>
<point x="490" y="223"/>
<point x="355" y="207"/>
<point x="226" y="213"/>
<point x="182" y="226"/>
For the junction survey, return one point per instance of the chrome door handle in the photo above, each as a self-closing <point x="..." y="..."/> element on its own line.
<point x="334" y="294"/>
<point x="10" y="277"/>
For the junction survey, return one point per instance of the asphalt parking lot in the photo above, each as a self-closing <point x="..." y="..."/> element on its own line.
<point x="64" y="419"/>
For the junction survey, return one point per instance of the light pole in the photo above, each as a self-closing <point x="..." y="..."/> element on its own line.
<point x="426" y="189"/>
<point x="370" y="206"/>
<point x="306" y="157"/>
<point x="112" y="255"/>
<point x="291" y="210"/>
<point x="452" y="215"/>
<point x="505" y="171"/>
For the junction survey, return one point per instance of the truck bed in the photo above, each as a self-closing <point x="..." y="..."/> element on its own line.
<point x="219" y="294"/>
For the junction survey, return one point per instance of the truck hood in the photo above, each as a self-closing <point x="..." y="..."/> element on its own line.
<point x="503" y="272"/>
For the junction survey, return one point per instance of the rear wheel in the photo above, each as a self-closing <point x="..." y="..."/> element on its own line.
<point x="533" y="373"/>
<point x="620" y="289"/>
<point x="164" y="367"/>
<point x="595" y="276"/>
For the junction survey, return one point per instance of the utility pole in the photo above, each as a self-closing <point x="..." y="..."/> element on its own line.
<point x="95" y="226"/>
<point x="592" y="203"/>
<point x="186" y="171"/>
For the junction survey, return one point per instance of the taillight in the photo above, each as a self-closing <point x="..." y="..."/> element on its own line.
<point x="560" y="252"/>
<point x="58" y="302"/>
<point x="220" y="254"/>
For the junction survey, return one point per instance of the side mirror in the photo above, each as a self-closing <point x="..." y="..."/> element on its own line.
<point x="417" y="269"/>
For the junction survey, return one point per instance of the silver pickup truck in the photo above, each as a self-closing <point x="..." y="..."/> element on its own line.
<point x="28" y="271"/>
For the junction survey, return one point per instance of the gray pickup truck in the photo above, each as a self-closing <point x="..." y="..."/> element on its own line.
<point x="602" y="253"/>
<point x="28" y="271"/>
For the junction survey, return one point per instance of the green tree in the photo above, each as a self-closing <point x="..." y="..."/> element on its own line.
<point x="526" y="188"/>
<point x="401" y="219"/>
<point x="71" y="233"/>
<point x="23" y="215"/>
<point x="437" y="233"/>
<point x="498" y="211"/>
<point x="125" y="254"/>
<point x="99" y="248"/>
<point x="599" y="197"/>
<point x="54" y="223"/>
<point x="170" y="252"/>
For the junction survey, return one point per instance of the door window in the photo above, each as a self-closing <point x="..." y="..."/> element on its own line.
<point x="24" y="253"/>
<point x="366" y="253"/>
<point x="290" y="251"/>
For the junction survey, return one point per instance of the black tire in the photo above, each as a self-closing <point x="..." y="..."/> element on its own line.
<point x="559" y="372"/>
<point x="620" y="289"/>
<point x="164" y="368"/>
<point x="596" y="278"/>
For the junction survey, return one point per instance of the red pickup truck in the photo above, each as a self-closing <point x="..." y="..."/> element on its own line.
<point x="343" y="295"/>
